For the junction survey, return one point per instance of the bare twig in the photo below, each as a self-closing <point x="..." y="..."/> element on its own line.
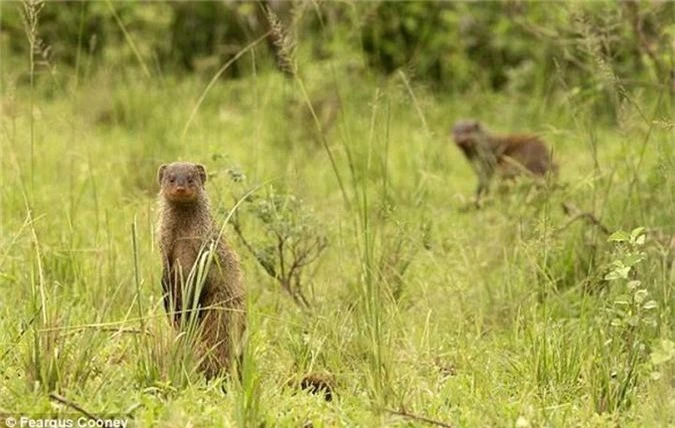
<point x="419" y="418"/>
<point x="116" y="330"/>
<point x="63" y="400"/>
<point x="267" y="266"/>
<point x="575" y="213"/>
<point x="291" y="255"/>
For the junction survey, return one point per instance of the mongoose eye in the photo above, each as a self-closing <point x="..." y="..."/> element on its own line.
<point x="190" y="180"/>
<point x="172" y="179"/>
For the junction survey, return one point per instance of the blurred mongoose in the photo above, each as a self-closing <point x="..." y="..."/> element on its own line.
<point x="510" y="155"/>
<point x="201" y="276"/>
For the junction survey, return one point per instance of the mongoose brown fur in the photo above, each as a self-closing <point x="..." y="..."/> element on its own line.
<point x="187" y="233"/>
<point x="510" y="155"/>
<point x="318" y="384"/>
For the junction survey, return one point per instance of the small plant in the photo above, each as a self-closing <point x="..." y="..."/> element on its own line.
<point x="630" y="315"/>
<point x="632" y="310"/>
<point x="292" y="238"/>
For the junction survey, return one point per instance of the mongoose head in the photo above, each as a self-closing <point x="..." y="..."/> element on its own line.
<point x="181" y="182"/>
<point x="464" y="132"/>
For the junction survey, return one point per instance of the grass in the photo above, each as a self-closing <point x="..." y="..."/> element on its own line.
<point x="492" y="318"/>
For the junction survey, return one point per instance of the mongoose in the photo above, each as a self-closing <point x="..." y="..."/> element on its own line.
<point x="212" y="292"/>
<point x="510" y="155"/>
<point x="315" y="383"/>
<point x="318" y="384"/>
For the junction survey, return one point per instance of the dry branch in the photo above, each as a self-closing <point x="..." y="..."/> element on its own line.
<point x="576" y="214"/>
<point x="418" y="418"/>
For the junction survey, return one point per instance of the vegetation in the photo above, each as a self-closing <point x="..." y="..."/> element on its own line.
<point x="325" y="127"/>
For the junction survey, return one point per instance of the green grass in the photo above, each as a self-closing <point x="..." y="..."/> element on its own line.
<point x="500" y="318"/>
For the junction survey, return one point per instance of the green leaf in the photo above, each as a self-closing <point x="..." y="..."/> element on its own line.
<point x="633" y="259"/>
<point x="619" y="236"/>
<point x="622" y="300"/>
<point x="635" y="233"/>
<point x="651" y="304"/>
<point x="640" y="240"/>
<point x="640" y="295"/>
<point x="618" y="273"/>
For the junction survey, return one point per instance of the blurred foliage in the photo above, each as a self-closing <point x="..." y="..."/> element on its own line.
<point x="176" y="36"/>
<point x="590" y="47"/>
<point x="207" y="34"/>
<point x="67" y="28"/>
<point x="514" y="44"/>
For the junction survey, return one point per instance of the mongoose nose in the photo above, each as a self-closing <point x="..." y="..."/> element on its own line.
<point x="180" y="189"/>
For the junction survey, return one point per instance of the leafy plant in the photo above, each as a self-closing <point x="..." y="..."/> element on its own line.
<point x="292" y="238"/>
<point x="632" y="310"/>
<point x="630" y="313"/>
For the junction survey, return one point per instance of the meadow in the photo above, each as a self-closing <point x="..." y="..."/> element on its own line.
<point x="421" y="309"/>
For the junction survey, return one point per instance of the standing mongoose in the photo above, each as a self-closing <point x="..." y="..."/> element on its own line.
<point x="510" y="155"/>
<point x="201" y="275"/>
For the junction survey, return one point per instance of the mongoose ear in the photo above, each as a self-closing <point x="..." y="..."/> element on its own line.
<point x="202" y="172"/>
<point x="160" y="173"/>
